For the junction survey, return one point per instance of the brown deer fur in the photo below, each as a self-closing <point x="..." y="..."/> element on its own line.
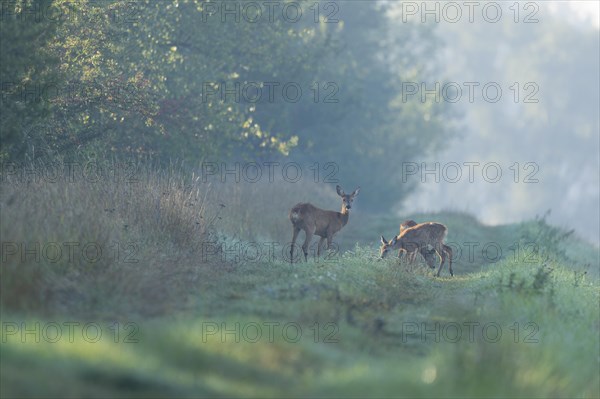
<point x="316" y="221"/>
<point x="419" y="238"/>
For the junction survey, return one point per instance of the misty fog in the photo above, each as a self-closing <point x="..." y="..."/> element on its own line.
<point x="544" y="142"/>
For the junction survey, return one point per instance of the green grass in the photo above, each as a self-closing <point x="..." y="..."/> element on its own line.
<point x="357" y="314"/>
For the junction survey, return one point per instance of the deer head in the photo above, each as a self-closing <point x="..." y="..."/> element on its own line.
<point x="387" y="246"/>
<point x="347" y="198"/>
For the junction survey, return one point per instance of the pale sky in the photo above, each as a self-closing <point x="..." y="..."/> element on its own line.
<point x="587" y="11"/>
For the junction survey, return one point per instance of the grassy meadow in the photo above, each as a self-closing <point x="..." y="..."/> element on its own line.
<point x="167" y="286"/>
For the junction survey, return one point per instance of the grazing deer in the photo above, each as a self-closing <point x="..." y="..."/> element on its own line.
<point x="419" y="238"/>
<point x="425" y="253"/>
<point x="325" y="224"/>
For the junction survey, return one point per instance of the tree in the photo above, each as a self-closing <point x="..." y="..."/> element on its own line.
<point x="27" y="68"/>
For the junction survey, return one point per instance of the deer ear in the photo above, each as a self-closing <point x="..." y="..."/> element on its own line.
<point x="339" y="190"/>
<point x="383" y="241"/>
<point x="394" y="240"/>
<point x="355" y="192"/>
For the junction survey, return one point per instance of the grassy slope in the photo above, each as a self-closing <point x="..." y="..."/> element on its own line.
<point x="367" y="349"/>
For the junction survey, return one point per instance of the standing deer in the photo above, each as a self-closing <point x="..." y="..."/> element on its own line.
<point x="419" y="238"/>
<point x="325" y="224"/>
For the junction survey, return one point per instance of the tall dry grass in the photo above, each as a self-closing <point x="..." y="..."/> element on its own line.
<point x="95" y="242"/>
<point x="151" y="227"/>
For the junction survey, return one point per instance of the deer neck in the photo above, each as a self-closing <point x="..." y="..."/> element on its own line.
<point x="344" y="215"/>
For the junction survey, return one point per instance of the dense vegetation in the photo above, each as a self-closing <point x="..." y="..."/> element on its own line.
<point x="173" y="81"/>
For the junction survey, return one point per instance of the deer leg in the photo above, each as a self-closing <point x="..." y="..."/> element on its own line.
<point x="442" y="256"/>
<point x="294" y="236"/>
<point x="448" y="251"/>
<point x="412" y="257"/>
<point x="329" y="242"/>
<point x="321" y="241"/>
<point x="309" y="235"/>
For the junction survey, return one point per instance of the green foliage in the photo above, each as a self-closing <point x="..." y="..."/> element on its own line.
<point x="28" y="65"/>
<point x="549" y="240"/>
<point x="134" y="76"/>
<point x="150" y="78"/>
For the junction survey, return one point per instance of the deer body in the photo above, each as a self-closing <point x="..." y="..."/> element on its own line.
<point x="316" y="221"/>
<point x="419" y="238"/>
<point x="425" y="253"/>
